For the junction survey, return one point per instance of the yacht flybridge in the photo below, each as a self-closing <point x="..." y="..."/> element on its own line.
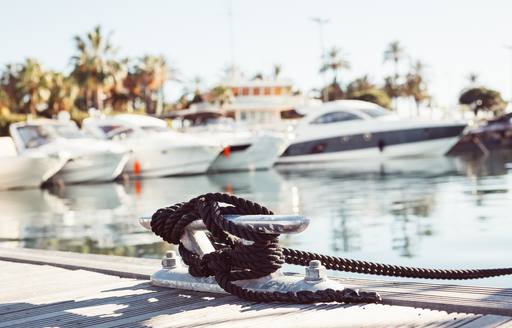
<point x="90" y="160"/>
<point x="358" y="130"/>
<point x="156" y="150"/>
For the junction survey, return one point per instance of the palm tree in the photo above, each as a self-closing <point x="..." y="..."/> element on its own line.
<point x="33" y="83"/>
<point x="63" y="93"/>
<point x="148" y="78"/>
<point x="5" y="101"/>
<point x="394" y="53"/>
<point x="334" y="62"/>
<point x="415" y="85"/>
<point x="392" y="89"/>
<point x="95" y="69"/>
<point x="277" y="71"/>
<point x="418" y="67"/>
<point x="8" y="86"/>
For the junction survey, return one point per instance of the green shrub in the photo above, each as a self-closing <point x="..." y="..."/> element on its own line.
<point x="376" y="96"/>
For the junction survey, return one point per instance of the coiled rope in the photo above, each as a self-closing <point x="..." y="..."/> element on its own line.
<point x="235" y="259"/>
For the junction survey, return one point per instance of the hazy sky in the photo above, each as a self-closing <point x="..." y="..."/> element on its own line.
<point x="452" y="37"/>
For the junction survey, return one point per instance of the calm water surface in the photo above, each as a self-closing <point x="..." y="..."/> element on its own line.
<point x="423" y="212"/>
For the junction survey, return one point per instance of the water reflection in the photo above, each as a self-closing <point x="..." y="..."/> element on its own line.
<point x="443" y="212"/>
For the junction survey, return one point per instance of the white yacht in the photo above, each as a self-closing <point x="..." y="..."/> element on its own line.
<point x="90" y="160"/>
<point x="243" y="150"/>
<point x="25" y="171"/>
<point x="358" y="130"/>
<point x="156" y="150"/>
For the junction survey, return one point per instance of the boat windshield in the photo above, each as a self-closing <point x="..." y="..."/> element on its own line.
<point x="34" y="136"/>
<point x="374" y="112"/>
<point x="334" y="117"/>
<point x="106" y="129"/>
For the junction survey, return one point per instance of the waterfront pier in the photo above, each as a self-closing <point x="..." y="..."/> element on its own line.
<point x="60" y="289"/>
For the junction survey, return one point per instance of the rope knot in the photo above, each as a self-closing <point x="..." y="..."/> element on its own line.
<point x="218" y="261"/>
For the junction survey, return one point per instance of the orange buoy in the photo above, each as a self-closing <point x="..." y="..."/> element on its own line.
<point x="226" y="151"/>
<point x="136" y="167"/>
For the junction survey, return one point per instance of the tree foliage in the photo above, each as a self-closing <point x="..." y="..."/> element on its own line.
<point x="364" y="89"/>
<point x="97" y="79"/>
<point x="374" y="95"/>
<point x="221" y="95"/>
<point x="483" y="99"/>
<point x="394" y="53"/>
<point x="334" y="62"/>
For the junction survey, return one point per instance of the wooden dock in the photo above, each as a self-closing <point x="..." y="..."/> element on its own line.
<point x="59" y="289"/>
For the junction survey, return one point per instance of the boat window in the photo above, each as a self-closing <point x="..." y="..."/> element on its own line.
<point x="107" y="128"/>
<point x="374" y="112"/>
<point x="34" y="136"/>
<point x="68" y="131"/>
<point x="333" y="117"/>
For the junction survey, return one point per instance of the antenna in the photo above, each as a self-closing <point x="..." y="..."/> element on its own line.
<point x="321" y="22"/>
<point x="509" y="48"/>
<point x="231" y="39"/>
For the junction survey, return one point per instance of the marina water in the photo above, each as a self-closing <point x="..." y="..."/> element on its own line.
<point x="443" y="212"/>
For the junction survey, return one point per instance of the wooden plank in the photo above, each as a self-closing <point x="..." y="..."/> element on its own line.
<point x="488" y="321"/>
<point x="58" y="282"/>
<point x="320" y="315"/>
<point x="41" y="303"/>
<point x="367" y="315"/>
<point x="127" y="291"/>
<point x="114" y="312"/>
<point x="417" y="294"/>
<point x="125" y="267"/>
<point x="68" y="311"/>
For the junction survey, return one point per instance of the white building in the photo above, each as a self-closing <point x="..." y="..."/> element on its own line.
<point x="260" y="101"/>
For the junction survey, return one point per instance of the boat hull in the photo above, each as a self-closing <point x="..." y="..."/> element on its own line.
<point x="99" y="167"/>
<point x="186" y="160"/>
<point x="261" y="154"/>
<point x="418" y="142"/>
<point x="27" y="172"/>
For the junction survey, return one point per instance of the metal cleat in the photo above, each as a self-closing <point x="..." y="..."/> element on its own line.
<point x="174" y="273"/>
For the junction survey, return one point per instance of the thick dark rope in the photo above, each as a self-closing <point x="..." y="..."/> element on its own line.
<point x="235" y="260"/>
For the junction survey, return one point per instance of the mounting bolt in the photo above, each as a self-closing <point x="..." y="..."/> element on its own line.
<point x="170" y="261"/>
<point x="315" y="271"/>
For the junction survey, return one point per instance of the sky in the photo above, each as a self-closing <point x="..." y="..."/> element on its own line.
<point x="453" y="37"/>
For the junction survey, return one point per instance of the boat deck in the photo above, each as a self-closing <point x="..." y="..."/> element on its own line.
<point x="60" y="289"/>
